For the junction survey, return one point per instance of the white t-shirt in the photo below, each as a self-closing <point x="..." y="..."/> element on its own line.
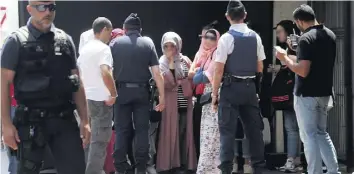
<point x="85" y="37"/>
<point x="94" y="54"/>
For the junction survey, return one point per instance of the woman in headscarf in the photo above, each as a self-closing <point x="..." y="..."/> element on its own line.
<point x="202" y="71"/>
<point x="284" y="83"/>
<point x="197" y="110"/>
<point x="176" y="148"/>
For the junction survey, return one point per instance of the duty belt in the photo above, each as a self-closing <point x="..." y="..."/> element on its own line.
<point x="132" y="85"/>
<point x="29" y="114"/>
<point x="236" y="79"/>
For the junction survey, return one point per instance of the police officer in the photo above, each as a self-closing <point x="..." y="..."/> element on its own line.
<point x="239" y="57"/>
<point x="39" y="59"/>
<point x="132" y="57"/>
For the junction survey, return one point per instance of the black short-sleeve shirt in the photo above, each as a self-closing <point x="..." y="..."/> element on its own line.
<point x="318" y="46"/>
<point x="11" y="49"/>
<point x="132" y="57"/>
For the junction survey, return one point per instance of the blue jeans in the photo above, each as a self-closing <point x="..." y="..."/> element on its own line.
<point x="311" y="115"/>
<point x="245" y="148"/>
<point x="292" y="133"/>
<point x="12" y="159"/>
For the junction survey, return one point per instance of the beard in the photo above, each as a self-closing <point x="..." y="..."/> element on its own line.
<point x="45" y="22"/>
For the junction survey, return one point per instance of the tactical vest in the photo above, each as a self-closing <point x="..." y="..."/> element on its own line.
<point x="243" y="60"/>
<point x="43" y="73"/>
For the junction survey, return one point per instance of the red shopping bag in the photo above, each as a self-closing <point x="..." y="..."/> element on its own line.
<point x="108" y="164"/>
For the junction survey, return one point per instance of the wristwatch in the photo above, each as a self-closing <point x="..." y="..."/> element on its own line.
<point x="114" y="97"/>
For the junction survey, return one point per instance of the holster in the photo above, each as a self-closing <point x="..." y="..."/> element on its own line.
<point x="226" y="80"/>
<point x="154" y="115"/>
<point x="32" y="138"/>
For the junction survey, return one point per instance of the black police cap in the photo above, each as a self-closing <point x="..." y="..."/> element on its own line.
<point x="235" y="4"/>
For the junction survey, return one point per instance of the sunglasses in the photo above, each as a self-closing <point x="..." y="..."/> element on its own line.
<point x="43" y="7"/>
<point x="213" y="38"/>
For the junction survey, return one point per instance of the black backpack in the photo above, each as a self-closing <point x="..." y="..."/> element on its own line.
<point x="282" y="89"/>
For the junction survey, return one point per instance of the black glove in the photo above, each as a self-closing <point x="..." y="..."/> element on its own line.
<point x="258" y="82"/>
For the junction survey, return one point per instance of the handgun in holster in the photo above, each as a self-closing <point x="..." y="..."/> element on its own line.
<point x="153" y="90"/>
<point x="226" y="79"/>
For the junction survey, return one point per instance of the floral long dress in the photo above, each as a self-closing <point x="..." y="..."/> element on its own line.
<point x="209" y="140"/>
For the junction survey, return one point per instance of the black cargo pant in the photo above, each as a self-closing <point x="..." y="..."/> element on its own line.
<point x="238" y="98"/>
<point x="131" y="102"/>
<point x="61" y="136"/>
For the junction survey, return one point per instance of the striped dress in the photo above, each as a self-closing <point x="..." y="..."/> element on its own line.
<point x="182" y="101"/>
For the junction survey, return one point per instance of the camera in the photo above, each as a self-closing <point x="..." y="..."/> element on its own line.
<point x="294" y="40"/>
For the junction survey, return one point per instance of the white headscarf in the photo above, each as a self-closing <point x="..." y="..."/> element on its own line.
<point x="174" y="38"/>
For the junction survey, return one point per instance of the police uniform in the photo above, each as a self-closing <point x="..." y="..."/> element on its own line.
<point x="44" y="89"/>
<point x="240" y="49"/>
<point x="132" y="57"/>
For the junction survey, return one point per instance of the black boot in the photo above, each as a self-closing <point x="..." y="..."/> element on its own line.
<point x="140" y="171"/>
<point x="119" y="173"/>
<point x="226" y="171"/>
<point x="226" y="168"/>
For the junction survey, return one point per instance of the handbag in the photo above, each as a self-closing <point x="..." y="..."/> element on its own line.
<point x="266" y="131"/>
<point x="205" y="98"/>
<point x="199" y="76"/>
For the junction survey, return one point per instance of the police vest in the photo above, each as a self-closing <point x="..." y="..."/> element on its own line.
<point x="243" y="59"/>
<point x="43" y="74"/>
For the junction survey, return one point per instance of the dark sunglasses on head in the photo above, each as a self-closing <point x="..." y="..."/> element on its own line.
<point x="44" y="7"/>
<point x="213" y="38"/>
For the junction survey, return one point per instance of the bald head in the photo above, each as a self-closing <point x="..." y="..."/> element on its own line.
<point x="36" y="2"/>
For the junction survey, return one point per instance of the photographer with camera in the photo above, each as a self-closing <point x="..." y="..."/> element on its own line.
<point x="282" y="93"/>
<point x="316" y="53"/>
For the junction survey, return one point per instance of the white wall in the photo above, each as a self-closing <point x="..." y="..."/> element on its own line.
<point x="10" y="24"/>
<point x="283" y="10"/>
<point x="12" y="20"/>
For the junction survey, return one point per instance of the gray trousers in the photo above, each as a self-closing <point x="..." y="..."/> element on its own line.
<point x="101" y="132"/>
<point x="239" y="99"/>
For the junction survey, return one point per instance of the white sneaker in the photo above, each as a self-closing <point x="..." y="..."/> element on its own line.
<point x="289" y="166"/>
<point x="247" y="169"/>
<point x="151" y="170"/>
<point x="235" y="168"/>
